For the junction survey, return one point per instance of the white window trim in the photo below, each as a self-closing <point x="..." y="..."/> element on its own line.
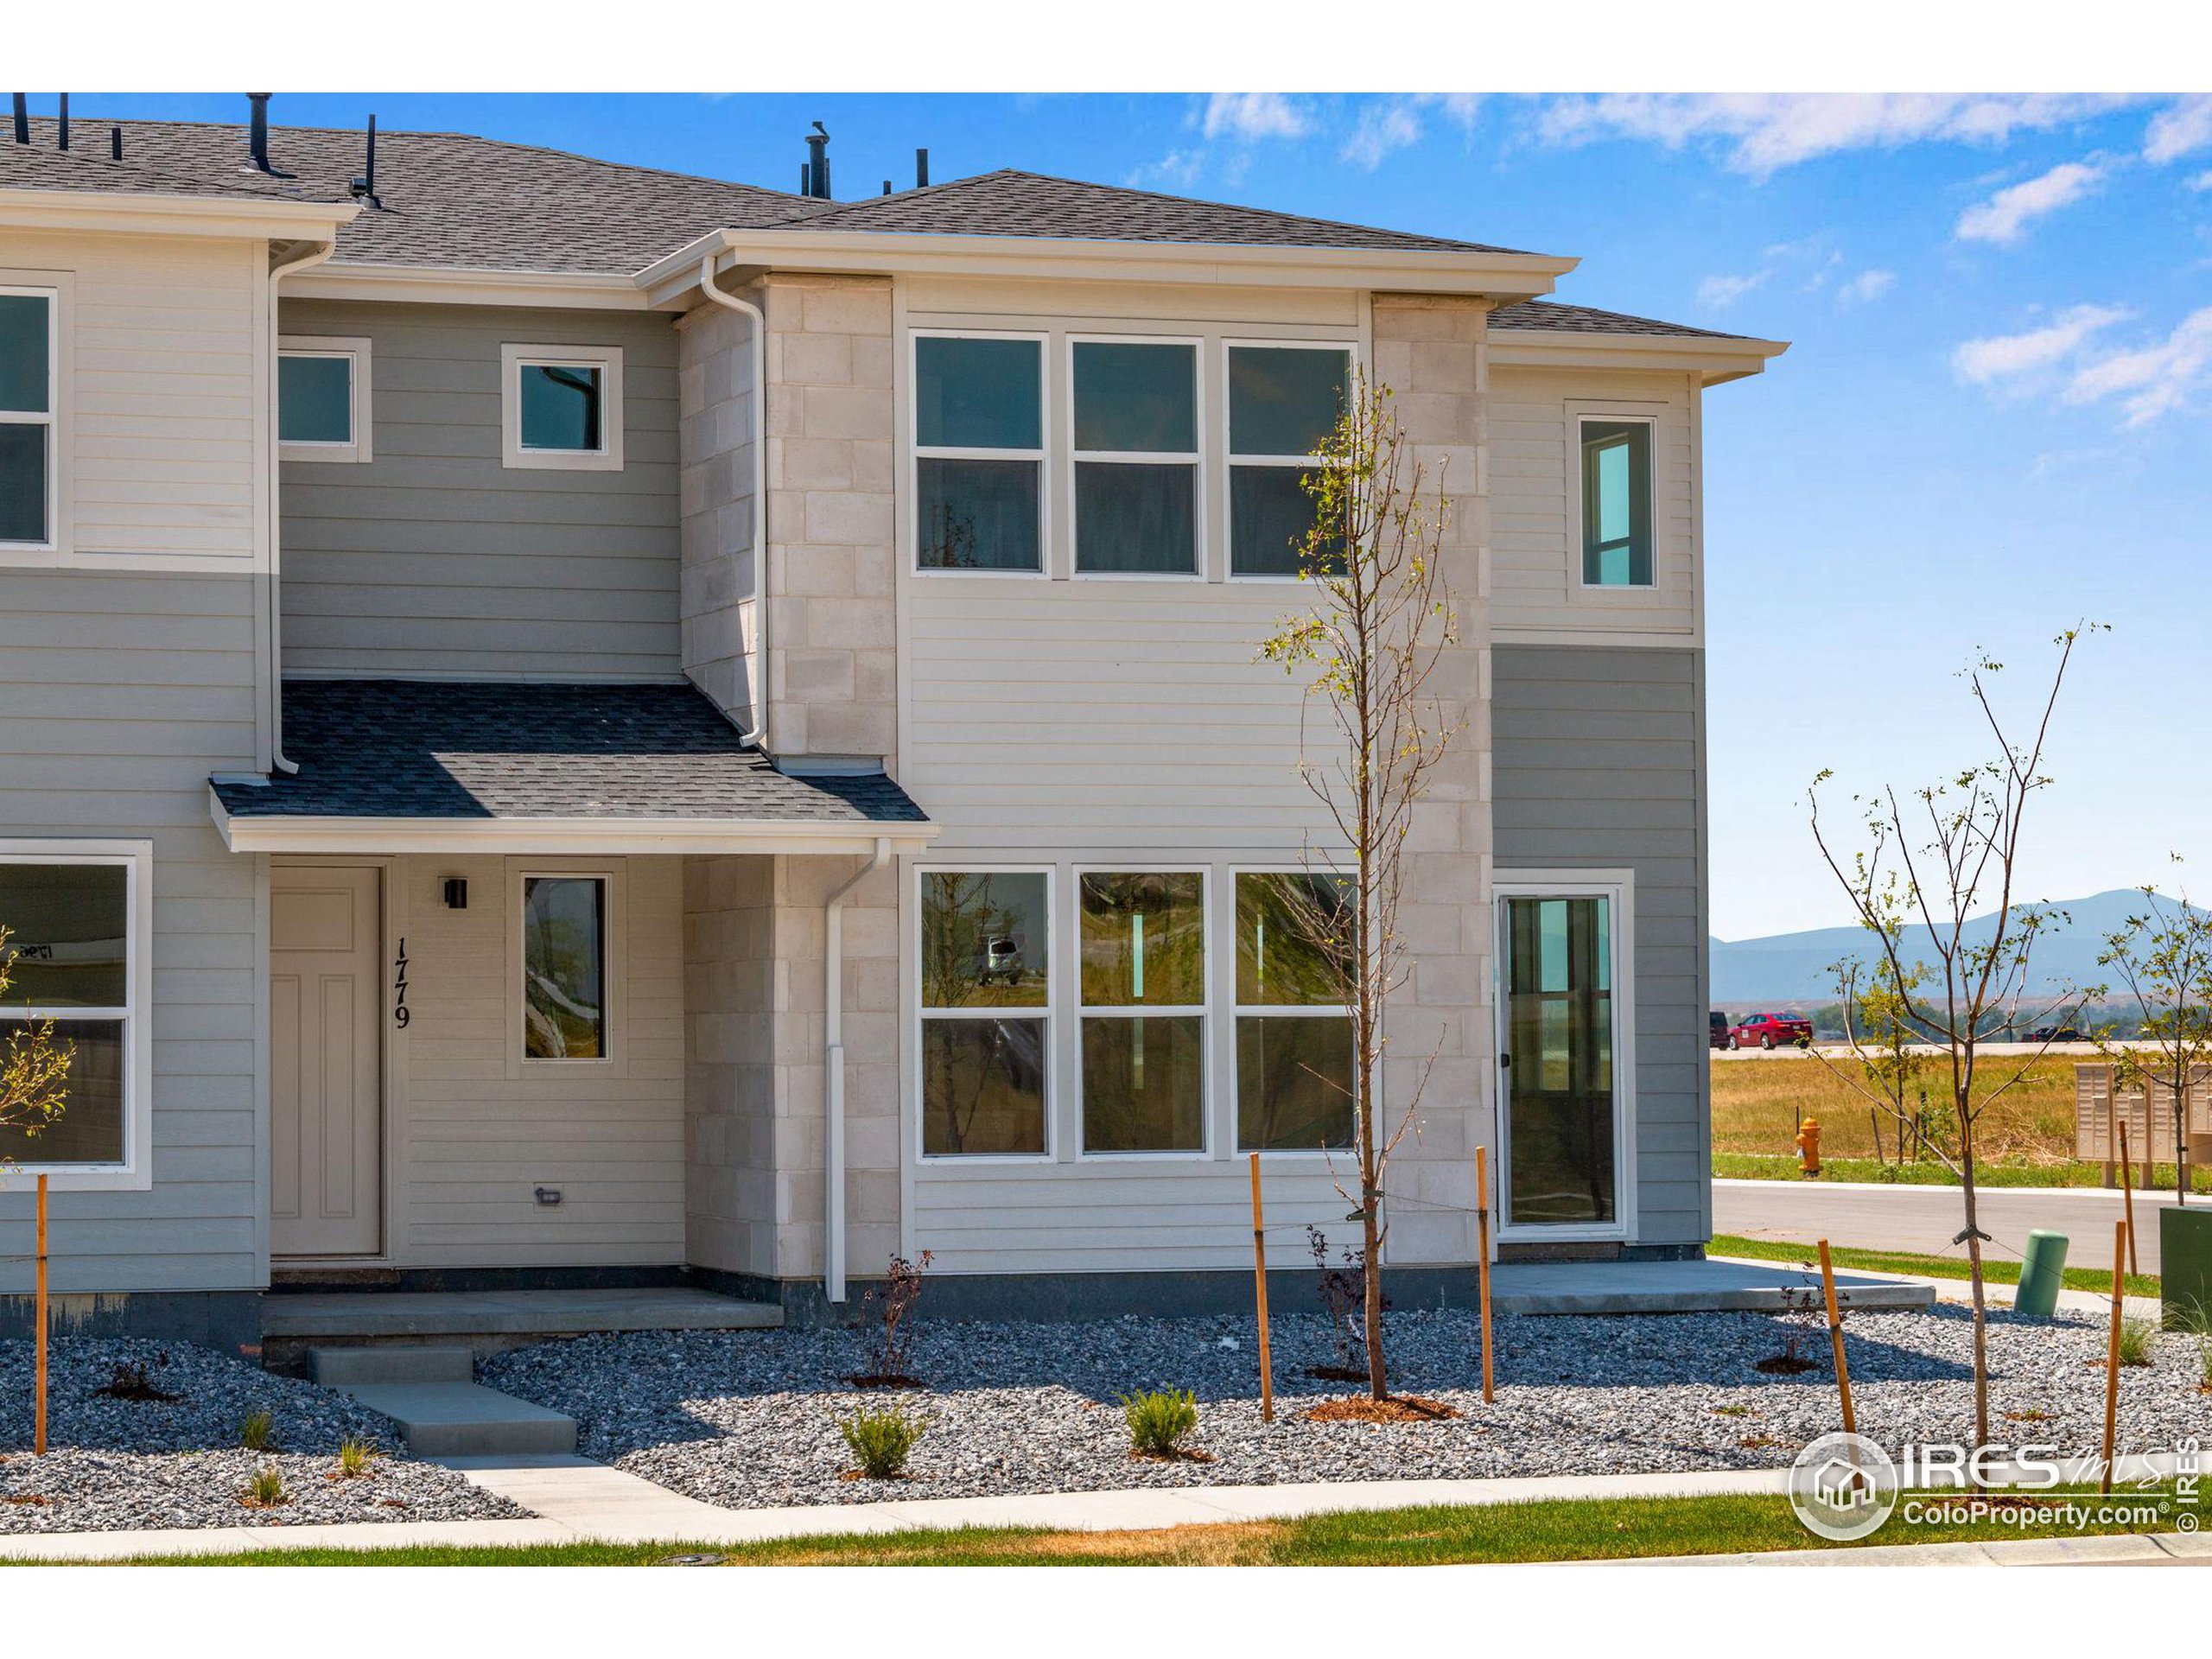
<point x="1194" y="458"/>
<point x="613" y="959"/>
<point x="1049" y="1014"/>
<point x="1617" y="887"/>
<point x="608" y="360"/>
<point x="1238" y="1009"/>
<point x="355" y="351"/>
<point x="1579" y="414"/>
<point x="1202" y="1011"/>
<point x="136" y="1172"/>
<point x="1230" y="460"/>
<point x="918" y="452"/>
<point x="50" y="418"/>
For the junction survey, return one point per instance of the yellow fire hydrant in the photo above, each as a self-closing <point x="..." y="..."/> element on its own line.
<point x="1809" y="1146"/>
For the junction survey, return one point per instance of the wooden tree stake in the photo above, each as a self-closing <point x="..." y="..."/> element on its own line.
<point x="1260" y="1287"/>
<point x="1481" y="1260"/>
<point x="2112" y="1353"/>
<point x="38" y="1397"/>
<point x="2127" y="1197"/>
<point x="1835" y="1340"/>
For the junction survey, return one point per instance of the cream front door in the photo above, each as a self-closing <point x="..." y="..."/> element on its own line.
<point x="326" y="1042"/>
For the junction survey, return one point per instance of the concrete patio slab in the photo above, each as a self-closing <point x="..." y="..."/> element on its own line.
<point x="466" y="1418"/>
<point x="371" y="1315"/>
<point x="1710" y="1287"/>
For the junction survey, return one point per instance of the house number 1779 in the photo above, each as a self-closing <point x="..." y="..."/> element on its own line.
<point x="399" y="1014"/>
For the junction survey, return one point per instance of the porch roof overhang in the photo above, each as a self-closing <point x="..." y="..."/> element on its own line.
<point x="427" y="767"/>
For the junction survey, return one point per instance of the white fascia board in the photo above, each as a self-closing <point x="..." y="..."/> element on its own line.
<point x="570" y="291"/>
<point x="601" y="837"/>
<point x="1715" y="358"/>
<point x="1504" y="276"/>
<point x="122" y="210"/>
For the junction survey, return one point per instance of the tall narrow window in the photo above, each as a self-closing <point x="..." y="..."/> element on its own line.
<point x="322" y="398"/>
<point x="985" y="1001"/>
<point x="27" y="389"/>
<point x="1616" y="504"/>
<point x="564" y="968"/>
<point x="70" y="963"/>
<point x="1136" y="458"/>
<point x="1283" y="402"/>
<point x="562" y="407"/>
<point x="1144" y="993"/>
<point x="1295" y="953"/>
<point x="979" y="447"/>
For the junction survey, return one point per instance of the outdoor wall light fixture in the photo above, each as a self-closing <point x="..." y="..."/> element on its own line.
<point x="456" y="893"/>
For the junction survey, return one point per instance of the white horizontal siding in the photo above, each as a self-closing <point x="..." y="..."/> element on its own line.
<point x="121" y="693"/>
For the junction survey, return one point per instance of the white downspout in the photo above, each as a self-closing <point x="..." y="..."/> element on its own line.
<point x="833" y="1026"/>
<point x="276" y="519"/>
<point x="759" y="735"/>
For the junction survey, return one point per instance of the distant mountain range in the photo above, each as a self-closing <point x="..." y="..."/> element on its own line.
<point x="1796" y="968"/>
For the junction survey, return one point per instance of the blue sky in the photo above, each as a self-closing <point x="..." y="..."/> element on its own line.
<point x="1995" y="418"/>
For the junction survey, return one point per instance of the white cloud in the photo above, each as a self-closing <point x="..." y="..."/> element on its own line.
<point x="1718" y="293"/>
<point x="1865" y="288"/>
<point x="2179" y="130"/>
<point x="1179" y="169"/>
<point x="2004" y="218"/>
<point x="2201" y="181"/>
<point x="1765" y="132"/>
<point x="2150" y="380"/>
<point x="1388" y="124"/>
<point x="2000" y="357"/>
<point x="1249" y="117"/>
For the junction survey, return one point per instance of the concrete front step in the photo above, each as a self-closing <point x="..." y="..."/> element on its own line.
<point x="465" y="1420"/>
<point x="502" y="1315"/>
<point x="339" y="1367"/>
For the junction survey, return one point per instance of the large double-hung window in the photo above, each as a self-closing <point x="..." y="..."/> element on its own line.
<point x="1136" y="457"/>
<point x="1283" y="403"/>
<point x="1295" y="966"/>
<point x="30" y="391"/>
<point x="1144" y="1016"/>
<point x="986" y="1007"/>
<point x="979" y="452"/>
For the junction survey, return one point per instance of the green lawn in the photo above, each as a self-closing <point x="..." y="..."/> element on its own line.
<point x="1554" y="1530"/>
<point x="1996" y="1270"/>
<point x="1775" y="1167"/>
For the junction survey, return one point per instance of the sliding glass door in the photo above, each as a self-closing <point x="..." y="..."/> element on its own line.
<point x="1561" y="1102"/>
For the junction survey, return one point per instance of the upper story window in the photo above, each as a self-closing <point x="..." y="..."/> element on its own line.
<point x="1136" y="457"/>
<point x="322" y="398"/>
<point x="1617" y="532"/>
<point x="979" y="452"/>
<point x="29" y="397"/>
<point x="562" y="407"/>
<point x="1283" y="402"/>
<point x="77" y="916"/>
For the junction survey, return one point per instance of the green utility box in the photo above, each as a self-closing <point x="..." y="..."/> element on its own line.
<point x="2043" y="1274"/>
<point x="2185" y="1265"/>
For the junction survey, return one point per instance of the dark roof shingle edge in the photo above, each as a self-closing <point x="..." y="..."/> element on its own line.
<point x="1551" y="316"/>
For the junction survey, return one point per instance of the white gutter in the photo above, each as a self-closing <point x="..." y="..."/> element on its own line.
<point x="759" y="735"/>
<point x="833" y="1024"/>
<point x="275" y="520"/>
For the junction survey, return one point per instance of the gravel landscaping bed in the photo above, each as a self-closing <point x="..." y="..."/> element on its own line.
<point x="750" y="1418"/>
<point x="114" y="1465"/>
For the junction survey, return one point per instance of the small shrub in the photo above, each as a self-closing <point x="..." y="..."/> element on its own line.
<point x="131" y="1380"/>
<point x="2137" y="1338"/>
<point x="1732" y="1411"/>
<point x="881" y="1441"/>
<point x="264" y="1489"/>
<point x="2205" y="1364"/>
<point x="1342" y="1290"/>
<point x="891" y="1345"/>
<point x="355" y="1459"/>
<point x="258" y="1432"/>
<point x="1160" y="1418"/>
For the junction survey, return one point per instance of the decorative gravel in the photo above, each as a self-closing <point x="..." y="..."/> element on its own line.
<point x="750" y="1418"/>
<point x="122" y="1465"/>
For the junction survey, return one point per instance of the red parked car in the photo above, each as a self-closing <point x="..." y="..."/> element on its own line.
<point x="1771" y="1031"/>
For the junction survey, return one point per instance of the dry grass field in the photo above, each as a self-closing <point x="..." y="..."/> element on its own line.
<point x="1757" y="1104"/>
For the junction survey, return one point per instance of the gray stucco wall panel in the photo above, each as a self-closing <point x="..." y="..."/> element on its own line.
<point x="1599" y="764"/>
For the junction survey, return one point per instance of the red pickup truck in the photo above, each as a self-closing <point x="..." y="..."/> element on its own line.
<point x="1771" y="1031"/>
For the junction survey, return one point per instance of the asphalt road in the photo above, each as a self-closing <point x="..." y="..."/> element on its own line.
<point x="2001" y="1050"/>
<point x="1924" y="1219"/>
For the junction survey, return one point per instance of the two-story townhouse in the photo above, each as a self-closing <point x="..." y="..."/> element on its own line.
<point x="561" y="723"/>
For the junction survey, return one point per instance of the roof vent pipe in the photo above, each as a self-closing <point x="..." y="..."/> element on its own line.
<point x="115" y="143"/>
<point x="61" y="127"/>
<point x="921" y="170"/>
<point x="23" y="119"/>
<point x="365" y="186"/>
<point x="258" y="134"/>
<point x="818" y="162"/>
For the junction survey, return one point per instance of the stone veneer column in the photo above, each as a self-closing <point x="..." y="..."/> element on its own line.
<point x="716" y="407"/>
<point x="1431" y="350"/>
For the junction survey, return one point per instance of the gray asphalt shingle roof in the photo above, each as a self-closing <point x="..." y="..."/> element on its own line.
<point x="85" y="166"/>
<point x="1555" y="318"/>
<point x="423" y="749"/>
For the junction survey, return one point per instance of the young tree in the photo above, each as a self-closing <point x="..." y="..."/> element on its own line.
<point x="1889" y="1065"/>
<point x="1380" y="620"/>
<point x="2163" y="955"/>
<point x="34" y="1068"/>
<point x="1935" y="859"/>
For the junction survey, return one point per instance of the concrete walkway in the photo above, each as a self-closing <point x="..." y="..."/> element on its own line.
<point x="1876" y="1216"/>
<point x="2153" y="1549"/>
<point x="1705" y="1287"/>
